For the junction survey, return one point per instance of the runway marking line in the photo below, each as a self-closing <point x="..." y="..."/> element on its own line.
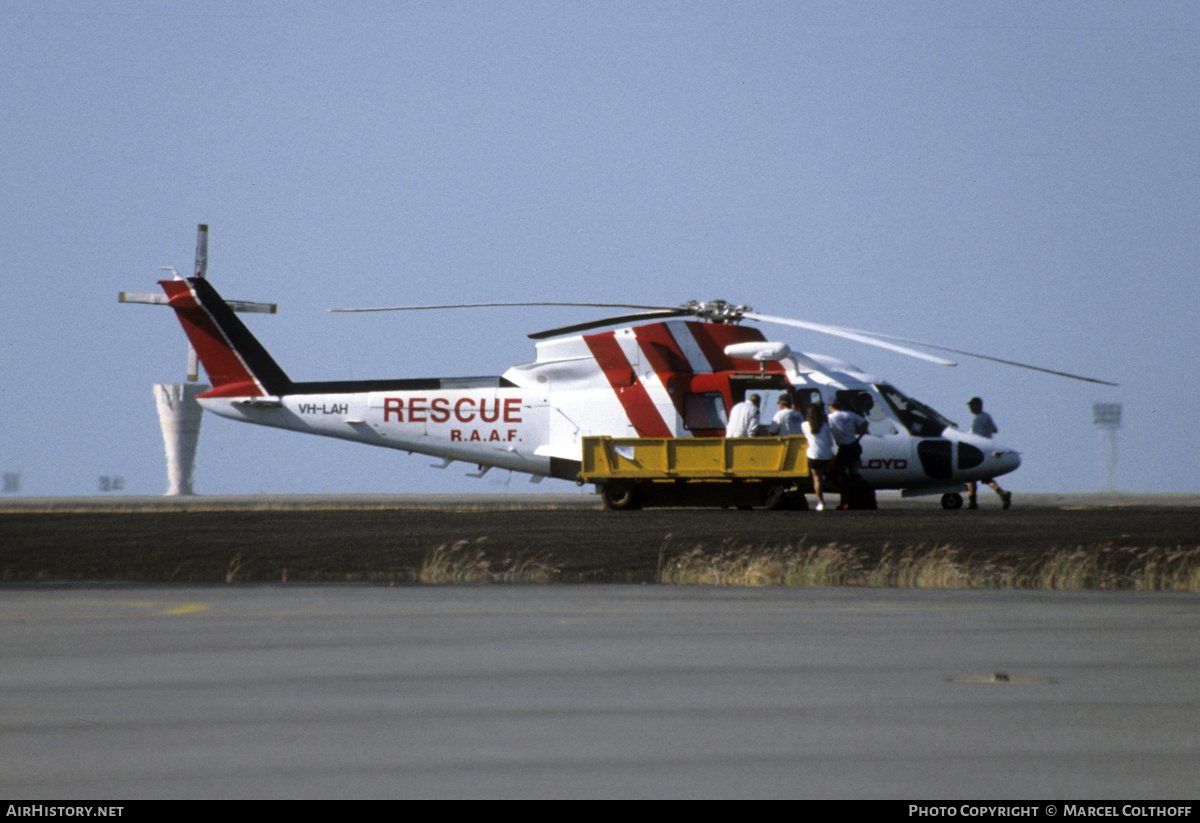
<point x="186" y="608"/>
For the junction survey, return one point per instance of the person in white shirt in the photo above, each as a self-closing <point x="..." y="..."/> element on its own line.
<point x="743" y="418"/>
<point x="820" y="448"/>
<point x="787" y="421"/>
<point x="983" y="425"/>
<point x="847" y="428"/>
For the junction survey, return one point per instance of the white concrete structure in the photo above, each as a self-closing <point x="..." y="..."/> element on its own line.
<point x="179" y="415"/>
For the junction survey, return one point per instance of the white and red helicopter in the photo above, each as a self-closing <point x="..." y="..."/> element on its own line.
<point x="676" y="373"/>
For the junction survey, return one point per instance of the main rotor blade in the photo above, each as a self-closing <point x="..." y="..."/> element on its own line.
<point x="504" y="305"/>
<point x="993" y="359"/>
<point x="610" y="321"/>
<point x="850" y="334"/>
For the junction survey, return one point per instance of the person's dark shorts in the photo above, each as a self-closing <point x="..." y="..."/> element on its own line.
<point x="848" y="455"/>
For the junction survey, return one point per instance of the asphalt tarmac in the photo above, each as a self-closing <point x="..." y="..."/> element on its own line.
<point x="119" y="692"/>
<point x="387" y="539"/>
<point x="131" y="670"/>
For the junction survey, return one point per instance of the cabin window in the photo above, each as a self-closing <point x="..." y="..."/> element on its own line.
<point x="879" y="423"/>
<point x="704" y="410"/>
<point x="968" y="456"/>
<point x="919" y="419"/>
<point x="935" y="458"/>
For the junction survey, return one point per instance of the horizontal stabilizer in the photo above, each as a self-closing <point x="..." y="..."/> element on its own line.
<point x="244" y="306"/>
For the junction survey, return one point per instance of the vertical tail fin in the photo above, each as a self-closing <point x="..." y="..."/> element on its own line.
<point x="237" y="364"/>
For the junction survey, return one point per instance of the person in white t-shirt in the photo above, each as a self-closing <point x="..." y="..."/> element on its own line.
<point x="743" y="418"/>
<point x="847" y="428"/>
<point x="820" y="448"/>
<point x="787" y="420"/>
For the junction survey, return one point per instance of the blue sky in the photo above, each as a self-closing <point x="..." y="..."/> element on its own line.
<point x="1018" y="179"/>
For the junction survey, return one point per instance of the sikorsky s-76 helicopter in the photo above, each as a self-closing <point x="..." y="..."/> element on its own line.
<point x="676" y="372"/>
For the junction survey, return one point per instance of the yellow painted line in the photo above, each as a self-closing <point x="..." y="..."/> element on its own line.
<point x="187" y="608"/>
<point x="166" y="609"/>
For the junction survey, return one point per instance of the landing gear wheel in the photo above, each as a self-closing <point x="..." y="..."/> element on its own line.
<point x="620" y="496"/>
<point x="952" y="501"/>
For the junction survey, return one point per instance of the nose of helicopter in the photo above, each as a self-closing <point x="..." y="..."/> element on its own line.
<point x="1001" y="460"/>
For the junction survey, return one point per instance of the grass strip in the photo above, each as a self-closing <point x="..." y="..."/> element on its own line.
<point x="1106" y="567"/>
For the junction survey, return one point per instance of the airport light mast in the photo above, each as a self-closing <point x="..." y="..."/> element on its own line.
<point x="1106" y="417"/>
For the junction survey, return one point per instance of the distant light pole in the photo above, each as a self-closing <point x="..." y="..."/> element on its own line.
<point x="1106" y="417"/>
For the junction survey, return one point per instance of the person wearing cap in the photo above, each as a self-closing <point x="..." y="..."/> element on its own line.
<point x="847" y="427"/>
<point x="743" y="418"/>
<point x="983" y="425"/>
<point x="787" y="421"/>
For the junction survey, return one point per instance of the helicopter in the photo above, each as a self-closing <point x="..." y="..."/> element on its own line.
<point x="674" y="372"/>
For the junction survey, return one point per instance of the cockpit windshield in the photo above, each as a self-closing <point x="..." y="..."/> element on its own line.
<point x="919" y="419"/>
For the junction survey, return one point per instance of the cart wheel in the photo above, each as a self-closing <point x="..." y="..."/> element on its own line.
<point x="777" y="498"/>
<point x="619" y="496"/>
<point x="785" y="498"/>
<point x="952" y="501"/>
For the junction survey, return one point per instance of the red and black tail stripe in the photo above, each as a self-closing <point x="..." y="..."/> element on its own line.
<point x="236" y="363"/>
<point x="239" y="366"/>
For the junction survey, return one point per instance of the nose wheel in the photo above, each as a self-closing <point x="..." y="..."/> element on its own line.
<point x="952" y="501"/>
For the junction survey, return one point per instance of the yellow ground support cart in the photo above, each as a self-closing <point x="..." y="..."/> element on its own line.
<point x="697" y="471"/>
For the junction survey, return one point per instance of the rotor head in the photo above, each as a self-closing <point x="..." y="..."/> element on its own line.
<point x="716" y="311"/>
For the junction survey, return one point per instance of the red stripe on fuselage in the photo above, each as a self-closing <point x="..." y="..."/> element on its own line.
<point x="664" y="355"/>
<point x="225" y="368"/>
<point x="639" y="408"/>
